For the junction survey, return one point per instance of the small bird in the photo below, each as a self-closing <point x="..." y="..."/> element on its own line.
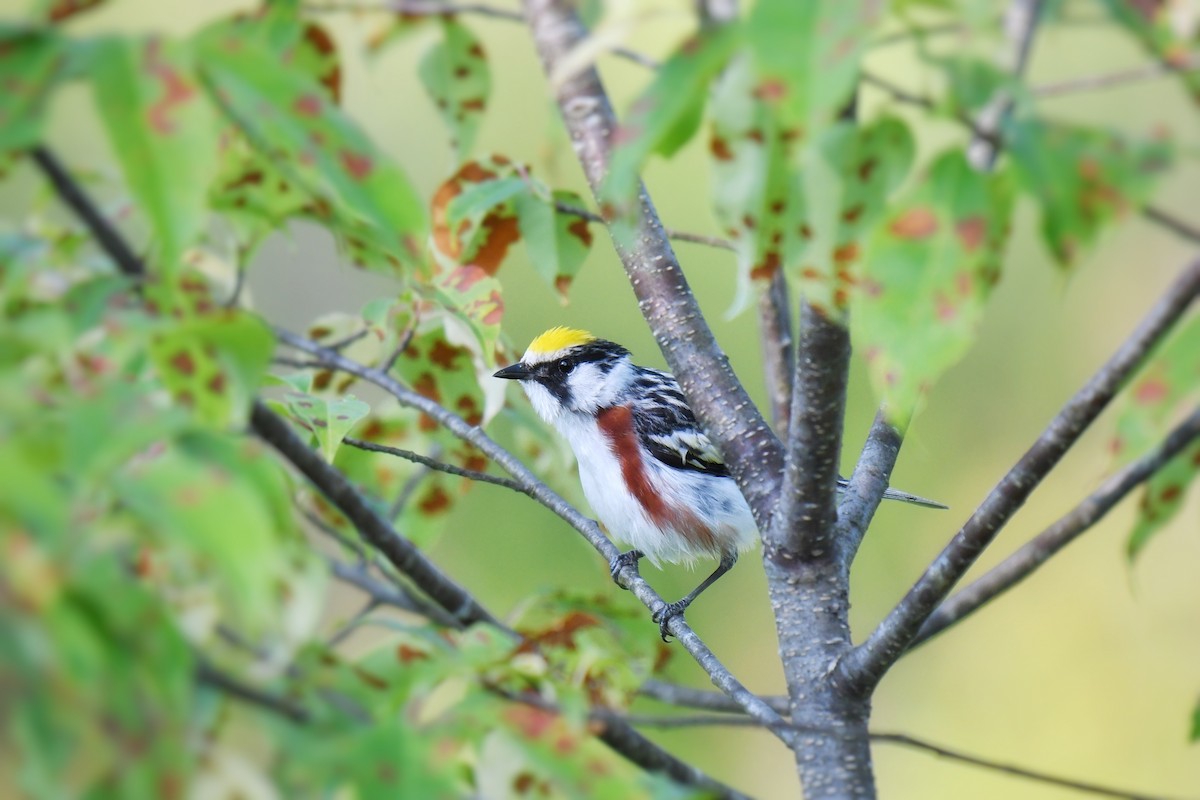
<point x="652" y="477"/>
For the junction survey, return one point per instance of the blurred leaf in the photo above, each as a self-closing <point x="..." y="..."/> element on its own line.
<point x="162" y="131"/>
<point x="752" y="176"/>
<point x="288" y="118"/>
<point x="1166" y="387"/>
<point x="1166" y="33"/>
<point x="667" y="113"/>
<point x="31" y="61"/>
<point x="1167" y="383"/>
<point x="328" y="419"/>
<point x="928" y="271"/>
<point x="478" y="198"/>
<point x="456" y="75"/>
<point x="1082" y="178"/>
<point x="1162" y="497"/>
<point x="806" y="58"/>
<point x="1194" y="735"/>
<point x="844" y="185"/>
<point x="214" y="363"/>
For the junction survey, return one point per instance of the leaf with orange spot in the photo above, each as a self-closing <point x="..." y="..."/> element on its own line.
<point x="754" y="193"/>
<point x="1165" y="30"/>
<point x="807" y="56"/>
<point x="214" y="362"/>
<point x="31" y="63"/>
<point x="557" y="243"/>
<point x="925" y="283"/>
<point x="162" y="129"/>
<point x="289" y="120"/>
<point x="846" y="179"/>
<point x="55" y="11"/>
<point x="668" y="111"/>
<point x="455" y="73"/>
<point x="1165" y="388"/>
<point x="1083" y="179"/>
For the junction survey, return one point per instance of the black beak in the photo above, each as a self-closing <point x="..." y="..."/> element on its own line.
<point x="516" y="372"/>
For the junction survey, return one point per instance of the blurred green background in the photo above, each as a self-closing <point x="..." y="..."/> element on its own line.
<point x="1088" y="670"/>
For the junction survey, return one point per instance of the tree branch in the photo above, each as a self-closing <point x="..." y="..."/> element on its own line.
<point x="900" y="739"/>
<point x="863" y="666"/>
<point x="779" y="356"/>
<point x="802" y="527"/>
<point x="210" y="676"/>
<point x="672" y="233"/>
<point x="1109" y="79"/>
<point x="402" y="553"/>
<point x="1172" y="223"/>
<point x="1020" y="24"/>
<point x="722" y="406"/>
<point x="434" y="464"/>
<point x="864" y="491"/>
<point x="1038" y="550"/>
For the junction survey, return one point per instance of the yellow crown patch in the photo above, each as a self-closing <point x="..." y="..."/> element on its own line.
<point x="559" y="339"/>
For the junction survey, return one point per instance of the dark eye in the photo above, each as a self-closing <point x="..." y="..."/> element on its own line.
<point x="564" y="366"/>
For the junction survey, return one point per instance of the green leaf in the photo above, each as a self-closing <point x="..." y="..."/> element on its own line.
<point x="1083" y="179"/>
<point x="807" y="57"/>
<point x="1168" y="382"/>
<point x="1166" y="387"/>
<point x="664" y="116"/>
<point x="557" y="243"/>
<point x="456" y="75"/>
<point x="754" y="193"/>
<point x="1194" y="735"/>
<point x="478" y="229"/>
<point x="929" y="269"/>
<point x="845" y="181"/>
<point x="328" y="419"/>
<point x="195" y="503"/>
<point x="288" y="118"/>
<point x="214" y="363"/>
<point x="31" y="62"/>
<point x="1157" y="27"/>
<point x="162" y="130"/>
<point x="1162" y="498"/>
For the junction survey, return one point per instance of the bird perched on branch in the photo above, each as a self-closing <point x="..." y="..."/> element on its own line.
<point x="652" y="477"/>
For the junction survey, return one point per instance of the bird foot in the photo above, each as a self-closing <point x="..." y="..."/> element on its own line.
<point x="664" y="616"/>
<point x="629" y="559"/>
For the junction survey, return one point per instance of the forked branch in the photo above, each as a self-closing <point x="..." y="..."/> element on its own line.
<point x="863" y="666"/>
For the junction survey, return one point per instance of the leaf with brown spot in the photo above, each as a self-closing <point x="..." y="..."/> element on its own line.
<point x="455" y="73"/>
<point x="924" y="283"/>
<point x="162" y="129"/>
<point x="1083" y="179"/>
<point x="328" y="419"/>
<point x="31" y="64"/>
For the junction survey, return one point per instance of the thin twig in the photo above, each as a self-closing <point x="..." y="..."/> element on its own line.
<point x="672" y="233"/>
<point x="864" y="491"/>
<point x="434" y="464"/>
<point x="543" y="494"/>
<point x="1065" y="530"/>
<point x="1107" y="80"/>
<point x="863" y="666"/>
<point x="413" y="7"/>
<point x="210" y="676"/>
<point x="670" y="722"/>
<point x="703" y="699"/>
<point x="1172" y="223"/>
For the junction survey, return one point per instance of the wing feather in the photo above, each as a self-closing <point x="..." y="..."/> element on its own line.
<point x="667" y="427"/>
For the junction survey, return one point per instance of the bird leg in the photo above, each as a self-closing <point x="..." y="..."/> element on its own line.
<point x="728" y="559"/>
<point x="622" y="561"/>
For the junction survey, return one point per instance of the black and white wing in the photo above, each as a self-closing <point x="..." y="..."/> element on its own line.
<point x="667" y="427"/>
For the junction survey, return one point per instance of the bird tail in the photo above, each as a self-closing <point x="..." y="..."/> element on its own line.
<point x="903" y="497"/>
